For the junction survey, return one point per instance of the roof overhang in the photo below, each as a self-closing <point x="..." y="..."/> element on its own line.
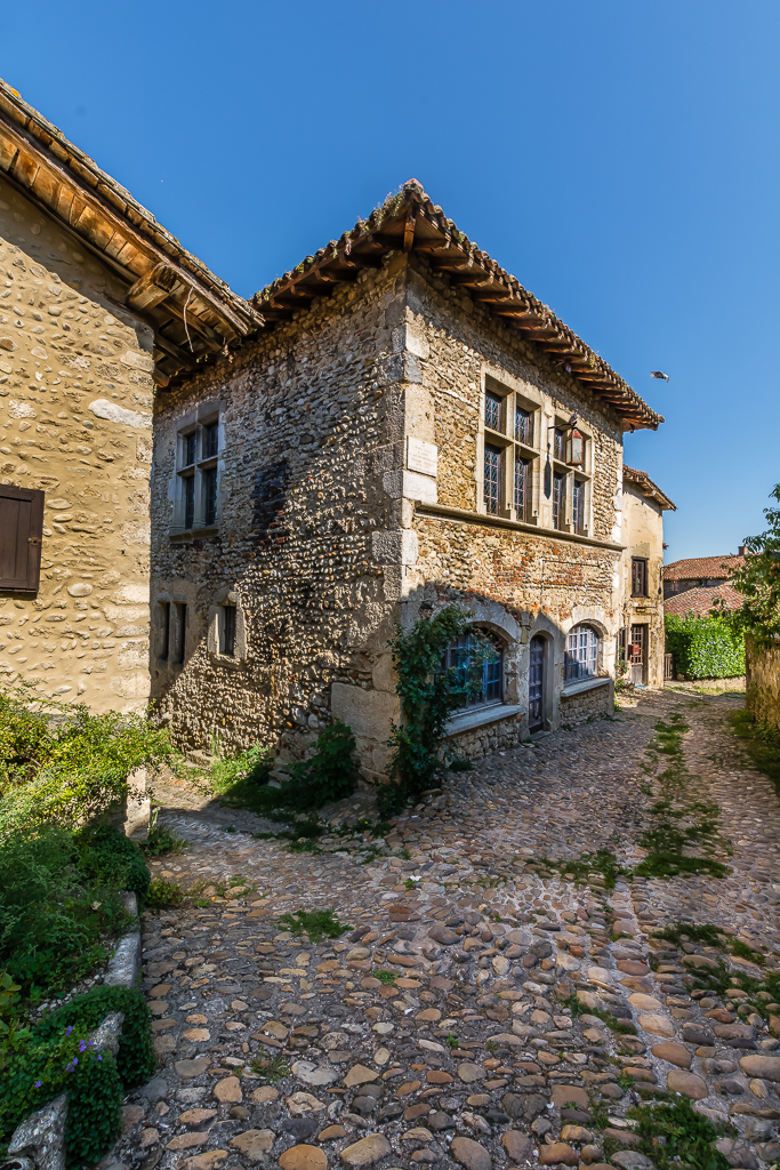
<point x="412" y="223"/>
<point x="644" y="484"/>
<point x="194" y="314"/>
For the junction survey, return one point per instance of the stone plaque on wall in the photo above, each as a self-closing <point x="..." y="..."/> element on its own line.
<point x="422" y="457"/>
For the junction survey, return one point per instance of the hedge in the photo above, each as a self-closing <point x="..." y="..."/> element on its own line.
<point x="704" y="647"/>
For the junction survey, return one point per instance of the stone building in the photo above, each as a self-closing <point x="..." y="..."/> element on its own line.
<point x="701" y="573"/>
<point x="408" y="427"/>
<point x="97" y="304"/>
<point x="642" y="616"/>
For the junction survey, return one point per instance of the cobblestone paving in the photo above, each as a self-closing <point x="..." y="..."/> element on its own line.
<point x="468" y="1017"/>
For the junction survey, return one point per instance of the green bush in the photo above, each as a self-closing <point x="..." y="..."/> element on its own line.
<point x="37" y="1063"/>
<point x="330" y="774"/>
<point x="62" y="763"/>
<point x="60" y="899"/>
<point x="705" y="647"/>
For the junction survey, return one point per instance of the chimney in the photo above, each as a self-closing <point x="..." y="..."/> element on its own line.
<point x="742" y="550"/>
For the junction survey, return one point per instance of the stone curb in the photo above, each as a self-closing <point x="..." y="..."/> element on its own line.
<point x="38" y="1143"/>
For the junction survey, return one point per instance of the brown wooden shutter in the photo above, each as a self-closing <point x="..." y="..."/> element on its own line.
<point x="21" y="529"/>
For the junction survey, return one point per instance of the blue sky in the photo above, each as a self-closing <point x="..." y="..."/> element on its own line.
<point x="620" y="158"/>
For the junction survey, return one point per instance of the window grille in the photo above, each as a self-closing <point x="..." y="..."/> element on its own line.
<point x="492" y="479"/>
<point x="476" y="665"/>
<point x="582" y="654"/>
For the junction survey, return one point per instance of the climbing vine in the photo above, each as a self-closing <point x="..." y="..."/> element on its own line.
<point x="429" y="693"/>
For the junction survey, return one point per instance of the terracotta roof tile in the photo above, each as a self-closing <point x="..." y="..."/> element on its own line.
<point x="703" y="567"/>
<point x="700" y="601"/>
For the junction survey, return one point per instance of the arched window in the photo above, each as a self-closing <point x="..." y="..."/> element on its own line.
<point x="475" y="662"/>
<point x="582" y="654"/>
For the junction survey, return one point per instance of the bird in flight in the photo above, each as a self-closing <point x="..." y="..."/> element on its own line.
<point x="659" y="374"/>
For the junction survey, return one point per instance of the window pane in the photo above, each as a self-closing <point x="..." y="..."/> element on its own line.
<point x="165" y="629"/>
<point x="493" y="410"/>
<point x="578" y="505"/>
<point x="559" y="443"/>
<point x="209" y="485"/>
<point x="476" y="666"/>
<point x="180" y="631"/>
<point x="559" y="491"/>
<point x="210" y="440"/>
<point x="188" y="483"/>
<point x="582" y="653"/>
<point x="190" y="448"/>
<point x="492" y="479"/>
<point x="523" y="425"/>
<point x="227" y="630"/>
<point x="522" y="487"/>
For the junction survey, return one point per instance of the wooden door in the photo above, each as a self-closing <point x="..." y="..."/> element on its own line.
<point x="536" y="685"/>
<point x="637" y="656"/>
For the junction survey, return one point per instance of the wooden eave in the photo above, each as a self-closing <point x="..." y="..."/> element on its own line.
<point x="410" y="222"/>
<point x="194" y="314"/>
<point x="644" y="484"/>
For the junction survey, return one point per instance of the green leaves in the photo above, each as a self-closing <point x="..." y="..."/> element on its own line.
<point x="705" y="647"/>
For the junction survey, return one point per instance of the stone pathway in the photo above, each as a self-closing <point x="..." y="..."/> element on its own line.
<point x="471" y="1015"/>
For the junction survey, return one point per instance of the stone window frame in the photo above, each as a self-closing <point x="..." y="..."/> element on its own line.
<point x="512" y="394"/>
<point x="498" y="644"/>
<point x="197" y="422"/>
<point x="556" y="453"/>
<point x="227" y="597"/>
<point x="171" y="629"/>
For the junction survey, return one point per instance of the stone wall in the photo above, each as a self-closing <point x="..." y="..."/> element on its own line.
<point x="518" y="579"/>
<point x="642" y="529"/>
<point x="763" y="682"/>
<point x="583" y="706"/>
<point x="75" y="421"/>
<point x="305" y="540"/>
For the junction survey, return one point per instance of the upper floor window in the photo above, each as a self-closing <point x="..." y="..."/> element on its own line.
<point x="639" y="577"/>
<point x="475" y="663"/>
<point x="197" y="474"/>
<point x="582" y="654"/>
<point x="571" y="480"/>
<point x="510" y="453"/>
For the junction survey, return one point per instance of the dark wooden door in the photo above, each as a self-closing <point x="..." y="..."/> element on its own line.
<point x="638" y="655"/>
<point x="536" y="685"/>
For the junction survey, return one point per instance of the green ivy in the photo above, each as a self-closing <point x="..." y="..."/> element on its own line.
<point x="428" y="695"/>
<point x="705" y="647"/>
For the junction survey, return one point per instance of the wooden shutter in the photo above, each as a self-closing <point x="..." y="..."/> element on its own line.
<point x="21" y="529"/>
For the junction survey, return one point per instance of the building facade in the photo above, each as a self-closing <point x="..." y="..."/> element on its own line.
<point x="88" y="324"/>
<point x="641" y="636"/>
<point x="409" y="428"/>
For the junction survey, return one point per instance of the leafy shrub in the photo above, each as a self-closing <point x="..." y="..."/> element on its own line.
<point x="62" y="763"/>
<point x="705" y="647"/>
<point x="251" y="767"/>
<point x="330" y="774"/>
<point x="59" y="899"/>
<point x="163" y="894"/>
<point x="37" y="1063"/>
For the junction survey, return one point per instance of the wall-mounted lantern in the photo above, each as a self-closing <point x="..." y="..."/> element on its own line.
<point x="575" y="448"/>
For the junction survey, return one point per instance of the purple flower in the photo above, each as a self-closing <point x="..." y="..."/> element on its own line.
<point x="69" y="1029"/>
<point x="99" y="1056"/>
<point x="37" y="1084"/>
<point x="82" y="1046"/>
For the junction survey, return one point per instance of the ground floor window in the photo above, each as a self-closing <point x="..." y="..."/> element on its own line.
<point x="475" y="662"/>
<point x="582" y="654"/>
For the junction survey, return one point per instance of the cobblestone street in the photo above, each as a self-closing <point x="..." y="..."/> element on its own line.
<point x="484" y="1009"/>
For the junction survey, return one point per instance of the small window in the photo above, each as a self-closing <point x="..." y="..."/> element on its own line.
<point x="559" y="499"/>
<point x="227" y="630"/>
<point x="475" y="662"/>
<point x="197" y="471"/>
<point x="582" y="654"/>
<point x="578" y="505"/>
<point x="494" y="411"/>
<point x="559" y="444"/>
<point x="165" y="630"/>
<point x="492" y="479"/>
<point x="524" y="430"/>
<point x="21" y="533"/>
<point x="639" y="577"/>
<point x="522" y="487"/>
<point x="179" y="632"/>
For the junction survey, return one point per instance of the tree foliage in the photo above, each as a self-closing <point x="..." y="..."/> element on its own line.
<point x="705" y="647"/>
<point x="758" y="580"/>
